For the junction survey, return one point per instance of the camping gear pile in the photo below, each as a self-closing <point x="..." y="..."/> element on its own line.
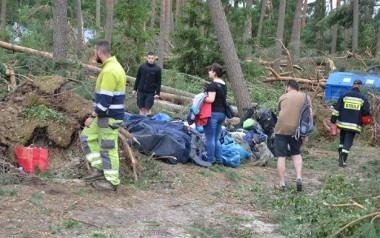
<point x="177" y="142"/>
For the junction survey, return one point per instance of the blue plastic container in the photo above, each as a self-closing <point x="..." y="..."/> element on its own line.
<point x="340" y="82"/>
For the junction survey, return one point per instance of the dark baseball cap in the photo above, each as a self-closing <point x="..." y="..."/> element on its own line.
<point x="358" y="82"/>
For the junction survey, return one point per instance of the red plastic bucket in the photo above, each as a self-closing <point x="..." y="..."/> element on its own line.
<point x="40" y="158"/>
<point x="25" y="158"/>
<point x="30" y="157"/>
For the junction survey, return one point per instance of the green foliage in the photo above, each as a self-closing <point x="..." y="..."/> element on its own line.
<point x="7" y="192"/>
<point x="151" y="174"/>
<point x="196" y="46"/>
<point x="313" y="216"/>
<point x="43" y="114"/>
<point x="129" y="42"/>
<point x="181" y="81"/>
<point x="203" y="230"/>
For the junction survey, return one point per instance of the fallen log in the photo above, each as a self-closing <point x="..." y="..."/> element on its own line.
<point x="177" y="109"/>
<point x="299" y="80"/>
<point x="124" y="136"/>
<point x="44" y="54"/>
<point x="89" y="67"/>
<point x="177" y="99"/>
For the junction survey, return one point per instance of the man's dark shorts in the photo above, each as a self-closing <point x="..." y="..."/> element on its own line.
<point x="145" y="100"/>
<point x="286" y="145"/>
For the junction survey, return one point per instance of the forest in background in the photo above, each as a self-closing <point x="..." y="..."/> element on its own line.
<point x="183" y="35"/>
<point x="264" y="43"/>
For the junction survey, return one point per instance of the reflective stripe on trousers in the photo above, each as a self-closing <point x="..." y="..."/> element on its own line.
<point x="100" y="144"/>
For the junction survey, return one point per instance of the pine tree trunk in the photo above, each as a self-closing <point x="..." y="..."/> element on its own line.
<point x="296" y="31"/>
<point x="179" y="5"/>
<point x="80" y="29"/>
<point x="60" y="30"/>
<point x="3" y="14"/>
<point x="230" y="57"/>
<point x="247" y="36"/>
<point x="171" y="21"/>
<point x="334" y="33"/>
<point x="347" y="38"/>
<point x="109" y="21"/>
<point x="153" y="11"/>
<point x="97" y="16"/>
<point x="304" y="12"/>
<point x="280" y="34"/>
<point x="165" y="24"/>
<point x="248" y="28"/>
<point x="378" y="43"/>
<point x="262" y="16"/>
<point x="320" y="9"/>
<point x="355" y="26"/>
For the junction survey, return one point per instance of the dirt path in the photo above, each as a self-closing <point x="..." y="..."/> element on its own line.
<point x="186" y="201"/>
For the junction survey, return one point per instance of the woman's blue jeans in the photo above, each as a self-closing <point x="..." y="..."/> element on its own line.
<point x="213" y="130"/>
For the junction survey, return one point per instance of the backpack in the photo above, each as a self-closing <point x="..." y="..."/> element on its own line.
<point x="305" y="124"/>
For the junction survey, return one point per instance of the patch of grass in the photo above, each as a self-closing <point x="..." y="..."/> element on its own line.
<point x="152" y="173"/>
<point x="37" y="198"/>
<point x="236" y="227"/>
<point x="218" y="168"/>
<point x="7" y="192"/>
<point x="152" y="223"/>
<point x="43" y="114"/>
<point x="72" y="224"/>
<point x="203" y="230"/>
<point x="311" y="162"/>
<point x="66" y="226"/>
<point x="302" y="215"/>
<point x="232" y="175"/>
<point x="333" y="145"/>
<point x="99" y="234"/>
<point x="82" y="192"/>
<point x="205" y="172"/>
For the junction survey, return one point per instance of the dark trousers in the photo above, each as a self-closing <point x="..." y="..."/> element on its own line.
<point x="346" y="140"/>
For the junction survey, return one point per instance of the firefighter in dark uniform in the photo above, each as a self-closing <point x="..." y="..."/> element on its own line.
<point x="347" y="114"/>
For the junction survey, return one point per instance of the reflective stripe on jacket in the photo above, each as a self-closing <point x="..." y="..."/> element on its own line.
<point x="348" y="110"/>
<point x="110" y="90"/>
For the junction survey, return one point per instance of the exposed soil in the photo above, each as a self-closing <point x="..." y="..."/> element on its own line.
<point x="186" y="201"/>
<point x="16" y="129"/>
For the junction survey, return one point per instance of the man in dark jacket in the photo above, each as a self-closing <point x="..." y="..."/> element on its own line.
<point x="147" y="84"/>
<point x="347" y="112"/>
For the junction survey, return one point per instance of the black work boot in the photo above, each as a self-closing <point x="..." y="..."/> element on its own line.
<point x="340" y="160"/>
<point x="94" y="175"/>
<point x="299" y="185"/>
<point x="344" y="158"/>
<point x="104" y="185"/>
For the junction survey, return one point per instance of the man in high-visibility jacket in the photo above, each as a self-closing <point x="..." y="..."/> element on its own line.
<point x="346" y="114"/>
<point x="99" y="138"/>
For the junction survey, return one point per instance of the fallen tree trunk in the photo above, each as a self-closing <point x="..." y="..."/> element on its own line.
<point x="89" y="67"/>
<point x="176" y="99"/>
<point x="44" y="54"/>
<point x="178" y="109"/>
<point x="278" y="77"/>
<point x="299" y="80"/>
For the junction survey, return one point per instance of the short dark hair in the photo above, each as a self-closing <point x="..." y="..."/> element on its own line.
<point x="150" y="53"/>
<point x="103" y="46"/>
<point x="218" y="69"/>
<point x="293" y="84"/>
